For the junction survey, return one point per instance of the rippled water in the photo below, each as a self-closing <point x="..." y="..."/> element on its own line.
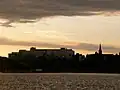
<point x="28" y="81"/>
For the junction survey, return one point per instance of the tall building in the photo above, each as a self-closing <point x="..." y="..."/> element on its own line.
<point x="100" y="49"/>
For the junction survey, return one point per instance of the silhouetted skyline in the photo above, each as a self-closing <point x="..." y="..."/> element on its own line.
<point x="60" y="60"/>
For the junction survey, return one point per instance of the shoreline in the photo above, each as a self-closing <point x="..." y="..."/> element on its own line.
<point x="105" y="74"/>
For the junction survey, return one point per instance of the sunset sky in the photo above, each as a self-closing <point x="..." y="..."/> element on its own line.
<point x="78" y="24"/>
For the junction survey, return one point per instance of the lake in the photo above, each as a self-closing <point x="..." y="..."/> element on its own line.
<point x="59" y="81"/>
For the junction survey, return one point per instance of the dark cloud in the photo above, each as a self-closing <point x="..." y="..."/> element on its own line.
<point x="28" y="10"/>
<point x="80" y="46"/>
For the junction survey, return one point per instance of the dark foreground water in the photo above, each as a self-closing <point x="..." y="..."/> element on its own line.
<point x="35" y="81"/>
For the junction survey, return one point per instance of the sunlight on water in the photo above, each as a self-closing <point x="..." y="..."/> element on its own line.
<point x="59" y="81"/>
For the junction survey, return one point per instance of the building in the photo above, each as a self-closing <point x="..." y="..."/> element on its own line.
<point x="62" y="52"/>
<point x="99" y="55"/>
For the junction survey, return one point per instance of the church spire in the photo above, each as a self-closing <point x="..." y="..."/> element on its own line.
<point x="100" y="49"/>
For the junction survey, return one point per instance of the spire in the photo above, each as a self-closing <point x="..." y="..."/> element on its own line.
<point x="100" y="49"/>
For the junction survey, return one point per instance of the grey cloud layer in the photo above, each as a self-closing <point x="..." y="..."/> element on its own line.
<point x="80" y="46"/>
<point x="14" y="10"/>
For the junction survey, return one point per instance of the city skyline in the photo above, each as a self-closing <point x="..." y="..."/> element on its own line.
<point x="59" y="60"/>
<point x="77" y="24"/>
<point x="99" y="51"/>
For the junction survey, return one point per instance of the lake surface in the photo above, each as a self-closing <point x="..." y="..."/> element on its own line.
<point x="59" y="81"/>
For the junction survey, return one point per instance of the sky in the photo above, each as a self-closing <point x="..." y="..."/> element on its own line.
<point x="78" y="24"/>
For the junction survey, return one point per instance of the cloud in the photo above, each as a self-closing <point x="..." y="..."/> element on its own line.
<point x="94" y="47"/>
<point x="77" y="46"/>
<point x="31" y="10"/>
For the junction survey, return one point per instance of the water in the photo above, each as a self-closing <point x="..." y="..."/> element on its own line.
<point x="59" y="81"/>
